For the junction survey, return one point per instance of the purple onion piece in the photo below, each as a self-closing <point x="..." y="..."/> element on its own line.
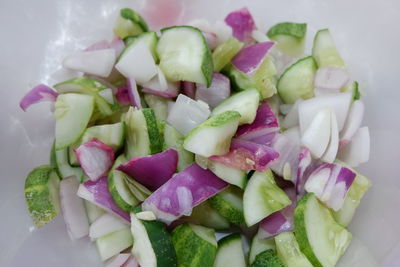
<point x="182" y="192"/>
<point x="247" y="155"/>
<point x="242" y="24"/>
<point x="219" y="90"/>
<point x="188" y="89"/>
<point x="97" y="192"/>
<point x="250" y="58"/>
<point x="133" y="93"/>
<point x="152" y="171"/>
<point x="38" y="94"/>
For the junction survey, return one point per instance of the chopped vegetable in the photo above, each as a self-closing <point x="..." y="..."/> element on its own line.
<point x="242" y="24"/>
<point x="249" y="59"/>
<point x="38" y="94"/>
<point x="230" y="252"/>
<point x="289" y="37"/>
<point x="218" y="91"/>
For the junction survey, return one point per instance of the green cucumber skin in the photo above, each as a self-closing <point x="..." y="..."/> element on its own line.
<point x="296" y="30"/>
<point x="187" y="243"/>
<point x="227" y="209"/>
<point x="161" y="242"/>
<point x="38" y="195"/>
<point x="156" y="140"/>
<point x="115" y="195"/>
<point x="301" y="232"/>
<point x="134" y="17"/>
<point x="267" y="258"/>
<point x="229" y="238"/>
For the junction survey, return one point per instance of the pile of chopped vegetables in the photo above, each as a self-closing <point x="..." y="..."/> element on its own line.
<point x="169" y="137"/>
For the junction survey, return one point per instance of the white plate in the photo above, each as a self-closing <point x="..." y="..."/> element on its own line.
<point x="37" y="34"/>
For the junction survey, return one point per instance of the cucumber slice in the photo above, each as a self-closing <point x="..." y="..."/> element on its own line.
<point x="229" y="203"/>
<point x="184" y="55"/>
<point x="322" y="240"/>
<point x="149" y="38"/>
<point x="119" y="189"/>
<point x="217" y="130"/>
<point x="195" y="245"/>
<point x="289" y="37"/>
<point x="112" y="135"/>
<point x="263" y="79"/>
<point x="142" y="135"/>
<point x="230" y="252"/>
<point x="113" y="243"/>
<point x="259" y="245"/>
<point x="93" y="211"/>
<point x="228" y="174"/>
<point x="353" y="198"/>
<point x="297" y="81"/>
<point x="324" y="50"/>
<point x="206" y="216"/>
<point x="153" y="245"/>
<point x="129" y="22"/>
<point x="42" y="194"/>
<point x="62" y="166"/>
<point x="89" y="86"/>
<point x="246" y="103"/>
<point x="288" y="251"/>
<point x="267" y="258"/>
<point x="224" y="53"/>
<point x="158" y="104"/>
<point x="262" y="197"/>
<point x="139" y="191"/>
<point x="174" y="139"/>
<point x="72" y="112"/>
<point x="352" y="87"/>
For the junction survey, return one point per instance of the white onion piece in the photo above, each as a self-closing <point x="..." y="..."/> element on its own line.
<point x="330" y="153"/>
<point x="353" y="122"/>
<point x="105" y="224"/>
<point x="98" y="62"/>
<point x="146" y="216"/>
<point x="211" y="39"/>
<point x="219" y="90"/>
<point x="259" y="36"/>
<point x="118" y="260"/>
<point x="186" y="114"/>
<point x="223" y="31"/>
<point x="293" y="134"/>
<point x="292" y="117"/>
<point x="131" y="262"/>
<point x="73" y="209"/>
<point x="331" y="79"/>
<point x="339" y="102"/>
<point x="107" y="94"/>
<point x="316" y="136"/>
<point x="357" y="151"/>
<point x="137" y="63"/>
<point x="288" y="157"/>
<point x="285" y="108"/>
<point x="159" y="85"/>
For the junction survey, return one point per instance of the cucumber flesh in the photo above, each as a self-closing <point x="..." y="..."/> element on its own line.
<point x="297" y="81"/>
<point x="195" y="245"/>
<point x="153" y="245"/>
<point x="230" y="252"/>
<point x="228" y="174"/>
<point x="142" y="135"/>
<point x="262" y="197"/>
<point x="72" y="112"/>
<point x="93" y="211"/>
<point x="267" y="258"/>
<point x="184" y="55"/>
<point x="289" y="37"/>
<point x="259" y="245"/>
<point x="246" y="103"/>
<point x="113" y="243"/>
<point x="206" y="216"/>
<point x="150" y="39"/>
<point x="322" y="240"/>
<point x="229" y="203"/>
<point x="224" y="53"/>
<point x="324" y="50"/>
<point x="174" y="139"/>
<point x="288" y="251"/>
<point x="42" y="194"/>
<point x="129" y="22"/>
<point x="217" y="130"/>
<point x="158" y="104"/>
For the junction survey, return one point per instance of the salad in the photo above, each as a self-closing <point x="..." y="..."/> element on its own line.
<point x="170" y="137"/>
